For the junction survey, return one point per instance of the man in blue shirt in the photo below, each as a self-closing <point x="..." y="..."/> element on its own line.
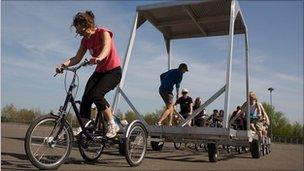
<point x="168" y="80"/>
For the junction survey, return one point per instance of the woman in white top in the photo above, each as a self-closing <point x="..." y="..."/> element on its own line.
<point x="258" y="115"/>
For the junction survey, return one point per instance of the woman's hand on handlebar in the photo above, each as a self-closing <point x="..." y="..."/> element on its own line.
<point x="60" y="68"/>
<point x="95" y="60"/>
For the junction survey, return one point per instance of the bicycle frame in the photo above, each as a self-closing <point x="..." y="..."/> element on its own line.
<point x="70" y="99"/>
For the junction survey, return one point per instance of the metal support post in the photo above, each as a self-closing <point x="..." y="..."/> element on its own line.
<point x="229" y="63"/>
<point x="125" y="64"/>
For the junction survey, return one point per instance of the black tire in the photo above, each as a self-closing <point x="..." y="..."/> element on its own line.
<point x="199" y="146"/>
<point x="65" y="137"/>
<point x="228" y="149"/>
<point x="90" y="150"/>
<point x="239" y="150"/>
<point x="212" y="152"/>
<point x="255" y="148"/>
<point x="121" y="148"/>
<point x="268" y="149"/>
<point x="137" y="132"/>
<point x="246" y="149"/>
<point x="263" y="149"/>
<point x="177" y="146"/>
<point x="157" y="146"/>
<point x="206" y="147"/>
<point x="268" y="145"/>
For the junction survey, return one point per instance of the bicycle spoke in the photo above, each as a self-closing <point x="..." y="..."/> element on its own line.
<point x="39" y="147"/>
<point x="43" y="153"/>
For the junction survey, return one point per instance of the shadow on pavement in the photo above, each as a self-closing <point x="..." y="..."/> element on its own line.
<point x="193" y="156"/>
<point x="14" y="138"/>
<point x="21" y="164"/>
<point x="21" y="161"/>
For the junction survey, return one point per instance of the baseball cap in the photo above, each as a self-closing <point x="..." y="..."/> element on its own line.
<point x="184" y="90"/>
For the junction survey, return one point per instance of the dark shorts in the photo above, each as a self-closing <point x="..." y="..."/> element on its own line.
<point x="199" y="122"/>
<point x="167" y="96"/>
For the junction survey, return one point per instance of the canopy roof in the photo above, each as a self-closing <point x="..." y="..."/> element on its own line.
<point x="188" y="19"/>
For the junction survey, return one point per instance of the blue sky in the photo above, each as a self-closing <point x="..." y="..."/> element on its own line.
<point x="36" y="37"/>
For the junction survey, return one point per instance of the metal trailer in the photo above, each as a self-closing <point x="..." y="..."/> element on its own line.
<point x="192" y="19"/>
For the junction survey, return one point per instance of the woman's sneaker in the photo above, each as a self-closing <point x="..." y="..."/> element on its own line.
<point x="112" y="130"/>
<point x="79" y="130"/>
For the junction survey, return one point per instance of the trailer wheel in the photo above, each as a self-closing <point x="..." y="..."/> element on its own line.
<point x="255" y="148"/>
<point x="268" y="146"/>
<point x="263" y="149"/>
<point x="212" y="152"/>
<point x="177" y="145"/>
<point x="199" y="146"/>
<point x="157" y="146"/>
<point x="239" y="149"/>
<point x="228" y="149"/>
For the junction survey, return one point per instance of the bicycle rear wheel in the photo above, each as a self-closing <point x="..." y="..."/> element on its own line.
<point x="136" y="144"/>
<point x="43" y="149"/>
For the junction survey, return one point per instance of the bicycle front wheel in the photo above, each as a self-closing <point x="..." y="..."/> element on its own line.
<point x="48" y="142"/>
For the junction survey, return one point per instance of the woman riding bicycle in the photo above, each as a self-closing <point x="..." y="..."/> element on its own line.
<point x="107" y="75"/>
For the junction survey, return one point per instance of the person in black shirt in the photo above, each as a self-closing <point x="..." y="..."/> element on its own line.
<point x="199" y="120"/>
<point x="186" y="104"/>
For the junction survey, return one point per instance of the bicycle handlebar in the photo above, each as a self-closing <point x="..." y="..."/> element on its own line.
<point x="74" y="69"/>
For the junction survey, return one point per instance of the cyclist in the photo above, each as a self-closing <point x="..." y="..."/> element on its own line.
<point x="99" y="41"/>
<point x="168" y="80"/>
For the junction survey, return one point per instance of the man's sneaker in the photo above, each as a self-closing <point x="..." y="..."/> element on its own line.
<point x="112" y="130"/>
<point x="158" y="124"/>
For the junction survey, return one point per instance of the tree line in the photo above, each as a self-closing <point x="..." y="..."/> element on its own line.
<point x="280" y="125"/>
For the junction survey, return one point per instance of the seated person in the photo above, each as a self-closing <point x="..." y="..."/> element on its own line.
<point x="185" y="103"/>
<point x="237" y="119"/>
<point x="200" y="119"/>
<point x="257" y="114"/>
<point x="215" y="119"/>
<point x="266" y="123"/>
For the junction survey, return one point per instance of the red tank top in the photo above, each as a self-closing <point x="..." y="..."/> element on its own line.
<point x="94" y="45"/>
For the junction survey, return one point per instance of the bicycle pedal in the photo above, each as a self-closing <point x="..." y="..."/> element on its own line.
<point x="107" y="145"/>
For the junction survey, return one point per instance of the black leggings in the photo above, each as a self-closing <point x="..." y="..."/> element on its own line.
<point x="98" y="85"/>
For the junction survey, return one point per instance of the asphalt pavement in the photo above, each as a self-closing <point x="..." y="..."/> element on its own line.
<point x="282" y="157"/>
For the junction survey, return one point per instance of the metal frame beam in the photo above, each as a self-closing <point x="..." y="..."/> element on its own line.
<point x="132" y="107"/>
<point x="235" y="10"/>
<point x="203" y="20"/>
<point x="192" y="16"/>
<point x="168" y="48"/>
<point x="203" y="106"/>
<point x="126" y="63"/>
